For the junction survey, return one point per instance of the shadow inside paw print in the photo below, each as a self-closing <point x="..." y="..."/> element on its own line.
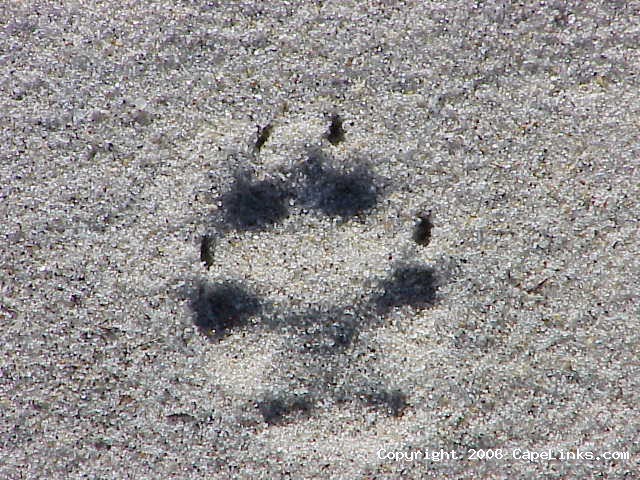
<point x="337" y="193"/>
<point x="344" y="193"/>
<point x="413" y="285"/>
<point x="323" y="340"/>
<point x="323" y="355"/>
<point x="255" y="204"/>
<point x="395" y="401"/>
<point x="223" y="307"/>
<point x="274" y="408"/>
<point x="325" y="331"/>
<point x="284" y="407"/>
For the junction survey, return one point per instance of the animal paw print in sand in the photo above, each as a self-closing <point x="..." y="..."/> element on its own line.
<point x="324" y="359"/>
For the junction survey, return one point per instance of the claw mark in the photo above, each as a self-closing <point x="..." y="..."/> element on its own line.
<point x="335" y="135"/>
<point x="207" y="248"/>
<point x="422" y="230"/>
<point x="263" y="136"/>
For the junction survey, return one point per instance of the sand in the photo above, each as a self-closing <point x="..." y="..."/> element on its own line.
<point x="319" y="339"/>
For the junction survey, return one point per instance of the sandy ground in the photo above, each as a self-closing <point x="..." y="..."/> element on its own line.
<point x="318" y="334"/>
